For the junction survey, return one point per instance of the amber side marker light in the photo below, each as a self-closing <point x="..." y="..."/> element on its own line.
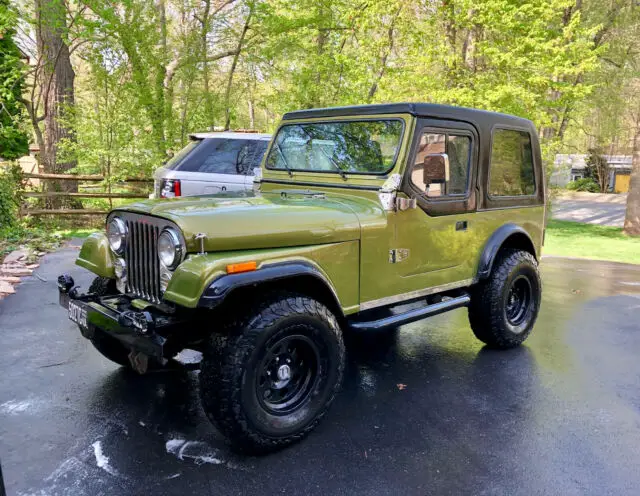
<point x="241" y="267"/>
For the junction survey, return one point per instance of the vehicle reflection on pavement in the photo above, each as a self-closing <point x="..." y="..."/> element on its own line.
<point x="424" y="410"/>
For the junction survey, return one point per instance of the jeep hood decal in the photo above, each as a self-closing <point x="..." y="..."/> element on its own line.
<point x="248" y="221"/>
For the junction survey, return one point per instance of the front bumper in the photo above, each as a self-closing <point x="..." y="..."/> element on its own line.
<point x="140" y="331"/>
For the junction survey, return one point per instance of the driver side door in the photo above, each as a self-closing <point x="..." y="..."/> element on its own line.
<point x="436" y="242"/>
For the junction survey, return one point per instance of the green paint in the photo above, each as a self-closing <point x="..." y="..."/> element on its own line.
<point x="321" y="219"/>
<point x="96" y="256"/>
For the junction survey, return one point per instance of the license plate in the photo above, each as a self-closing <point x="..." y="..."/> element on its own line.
<point x="77" y="314"/>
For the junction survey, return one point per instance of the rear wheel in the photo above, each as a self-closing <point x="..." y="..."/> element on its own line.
<point x="504" y="308"/>
<point x="274" y="377"/>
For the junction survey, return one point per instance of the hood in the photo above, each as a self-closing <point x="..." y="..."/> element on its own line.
<point x="264" y="220"/>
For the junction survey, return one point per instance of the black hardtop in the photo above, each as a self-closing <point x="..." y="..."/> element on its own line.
<point x="426" y="110"/>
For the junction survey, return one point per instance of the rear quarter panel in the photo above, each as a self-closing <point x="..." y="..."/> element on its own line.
<point x="486" y="222"/>
<point x="204" y="183"/>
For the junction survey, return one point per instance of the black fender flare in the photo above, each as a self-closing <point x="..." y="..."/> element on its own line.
<point x="220" y="288"/>
<point x="495" y="242"/>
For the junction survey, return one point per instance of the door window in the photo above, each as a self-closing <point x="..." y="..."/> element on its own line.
<point x="511" y="172"/>
<point x="441" y="166"/>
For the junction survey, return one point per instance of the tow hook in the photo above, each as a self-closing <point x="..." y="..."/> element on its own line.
<point x="142" y="321"/>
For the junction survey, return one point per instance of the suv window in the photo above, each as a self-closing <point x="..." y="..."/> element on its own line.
<point x="221" y="156"/>
<point x="511" y="171"/>
<point x="441" y="166"/>
<point x="356" y="147"/>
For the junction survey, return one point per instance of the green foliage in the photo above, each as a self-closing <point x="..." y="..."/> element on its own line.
<point x="10" y="187"/>
<point x="584" y="184"/>
<point x="155" y="74"/>
<point x="597" y="169"/>
<point x="13" y="140"/>
<point x="149" y="73"/>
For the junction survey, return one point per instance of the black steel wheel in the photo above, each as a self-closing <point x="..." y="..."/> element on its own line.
<point x="518" y="305"/>
<point x="275" y="375"/>
<point x="288" y="374"/>
<point x="504" y="308"/>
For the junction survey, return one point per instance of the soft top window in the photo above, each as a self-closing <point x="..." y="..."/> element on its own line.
<point x="511" y="172"/>
<point x="220" y="155"/>
<point x="354" y="147"/>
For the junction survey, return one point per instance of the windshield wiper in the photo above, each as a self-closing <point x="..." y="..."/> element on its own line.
<point x="284" y="159"/>
<point x="340" y="170"/>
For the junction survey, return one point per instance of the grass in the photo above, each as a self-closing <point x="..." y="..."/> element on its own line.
<point x="572" y="239"/>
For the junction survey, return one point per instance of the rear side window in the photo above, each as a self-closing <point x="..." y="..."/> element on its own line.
<point x="223" y="156"/>
<point x="511" y="171"/>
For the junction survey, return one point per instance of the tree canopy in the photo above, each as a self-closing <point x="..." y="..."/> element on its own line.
<point x="13" y="138"/>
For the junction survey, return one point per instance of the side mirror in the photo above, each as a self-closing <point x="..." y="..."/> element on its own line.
<point x="436" y="169"/>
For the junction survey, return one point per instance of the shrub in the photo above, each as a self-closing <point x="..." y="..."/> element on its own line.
<point x="584" y="184"/>
<point x="10" y="187"/>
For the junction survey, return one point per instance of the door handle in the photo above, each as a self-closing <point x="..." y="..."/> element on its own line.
<point x="461" y="225"/>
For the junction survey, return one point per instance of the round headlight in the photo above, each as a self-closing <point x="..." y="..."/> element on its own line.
<point x="116" y="232"/>
<point x="169" y="248"/>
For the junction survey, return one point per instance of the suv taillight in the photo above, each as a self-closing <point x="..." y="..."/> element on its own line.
<point x="170" y="188"/>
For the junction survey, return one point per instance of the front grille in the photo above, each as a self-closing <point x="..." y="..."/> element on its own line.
<point x="141" y="256"/>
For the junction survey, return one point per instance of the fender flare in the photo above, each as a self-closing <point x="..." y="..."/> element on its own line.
<point x="495" y="242"/>
<point x="220" y="288"/>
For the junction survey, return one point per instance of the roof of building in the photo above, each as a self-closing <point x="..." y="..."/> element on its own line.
<point x="578" y="161"/>
<point x="417" y="109"/>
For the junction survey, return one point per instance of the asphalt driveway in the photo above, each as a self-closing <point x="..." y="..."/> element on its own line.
<point x="429" y="412"/>
<point x="589" y="208"/>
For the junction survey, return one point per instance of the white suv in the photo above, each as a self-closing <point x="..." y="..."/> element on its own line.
<point x="212" y="163"/>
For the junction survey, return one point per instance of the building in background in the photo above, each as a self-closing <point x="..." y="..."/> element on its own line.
<point x="572" y="167"/>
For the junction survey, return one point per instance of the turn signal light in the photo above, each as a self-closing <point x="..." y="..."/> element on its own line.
<point x="241" y="267"/>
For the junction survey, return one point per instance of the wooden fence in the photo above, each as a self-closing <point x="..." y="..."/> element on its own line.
<point x="107" y="193"/>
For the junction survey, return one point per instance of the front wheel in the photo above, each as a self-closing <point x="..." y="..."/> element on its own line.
<point x="504" y="308"/>
<point x="274" y="377"/>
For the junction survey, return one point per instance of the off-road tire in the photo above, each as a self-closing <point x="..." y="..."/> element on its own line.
<point x="488" y="311"/>
<point x="232" y="368"/>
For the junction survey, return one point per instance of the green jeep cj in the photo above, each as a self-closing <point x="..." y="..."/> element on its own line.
<point x="356" y="212"/>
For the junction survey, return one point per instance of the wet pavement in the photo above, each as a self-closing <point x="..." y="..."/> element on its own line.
<point x="428" y="411"/>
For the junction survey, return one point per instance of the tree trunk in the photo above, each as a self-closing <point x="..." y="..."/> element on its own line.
<point x="632" y="217"/>
<point x="57" y="86"/>
<point x="227" y="93"/>
<point x="162" y="123"/>
<point x="384" y="58"/>
<point x="252" y="115"/>
<point x="208" y="102"/>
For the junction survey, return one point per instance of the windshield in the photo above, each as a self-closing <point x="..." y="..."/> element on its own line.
<point x="220" y="155"/>
<point x="356" y="147"/>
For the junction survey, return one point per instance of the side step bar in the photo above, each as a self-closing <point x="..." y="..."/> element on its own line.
<point x="413" y="315"/>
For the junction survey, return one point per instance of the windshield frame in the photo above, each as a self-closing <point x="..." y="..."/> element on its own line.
<point x="337" y="121"/>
